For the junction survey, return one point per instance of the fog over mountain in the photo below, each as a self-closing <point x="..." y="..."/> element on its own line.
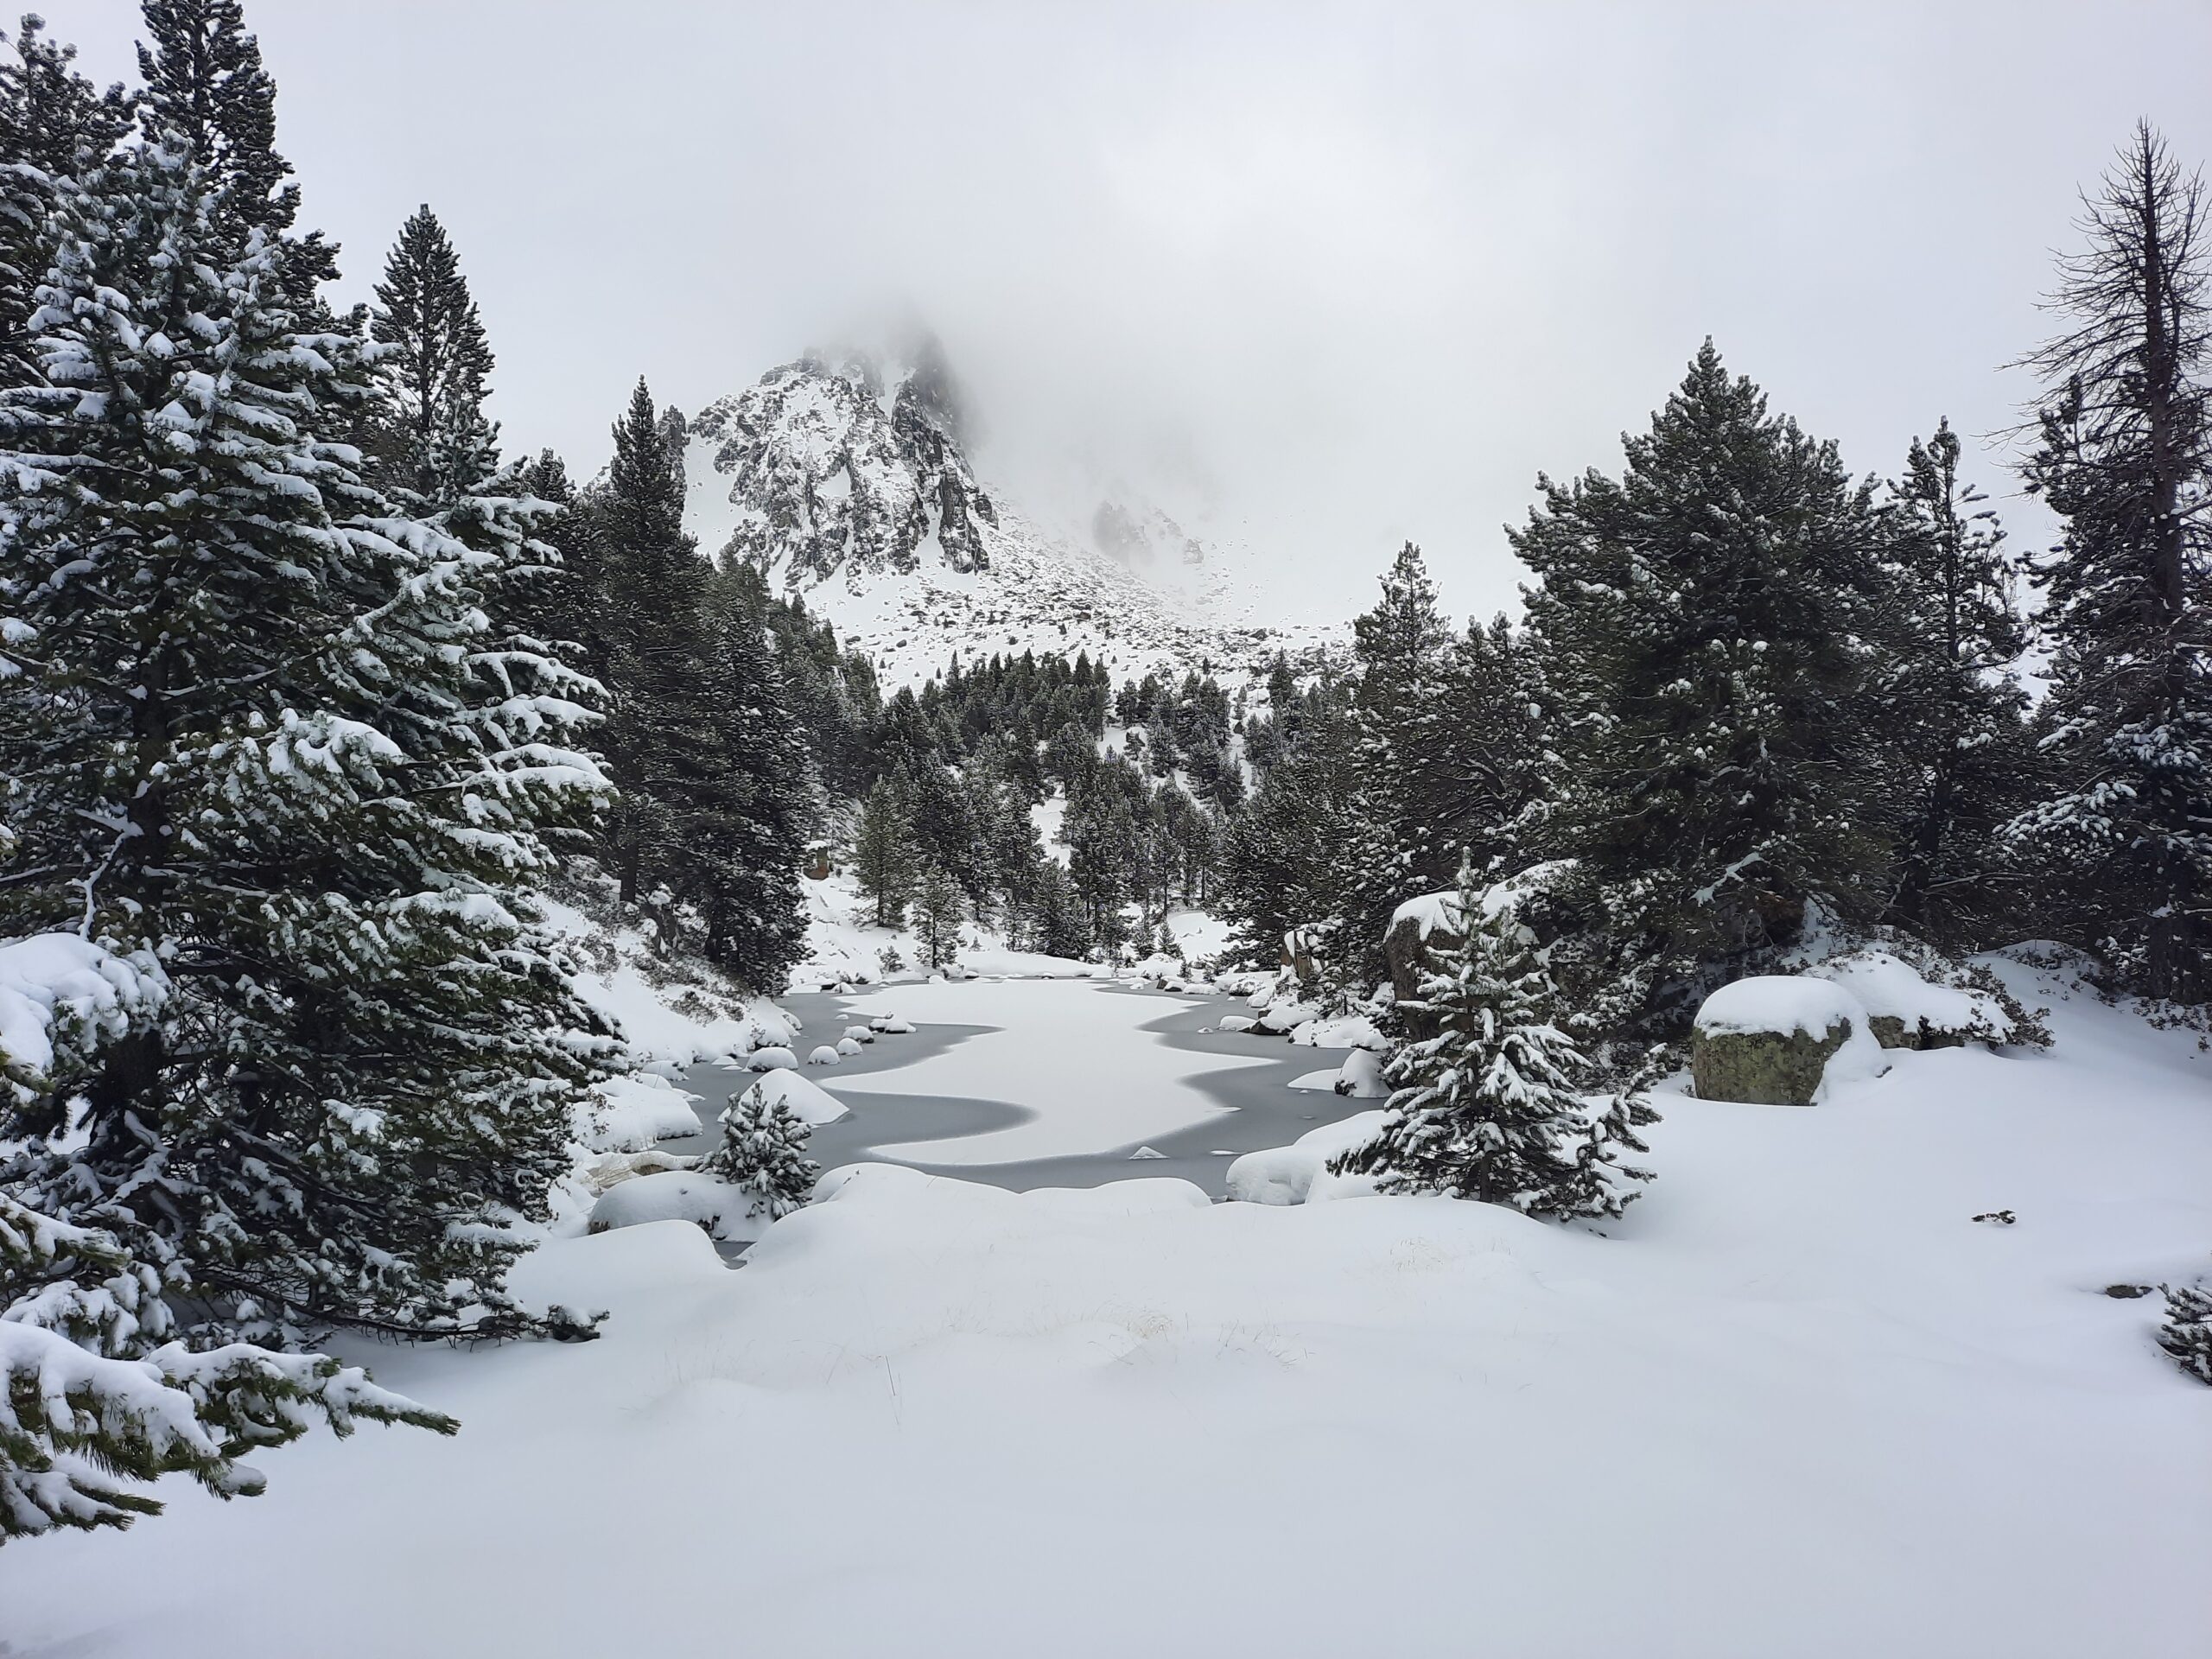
<point x="1311" y="279"/>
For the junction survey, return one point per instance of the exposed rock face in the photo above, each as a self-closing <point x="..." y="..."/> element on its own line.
<point x="1764" y="1068"/>
<point x="1768" y="1039"/>
<point x="832" y="470"/>
<point x="1138" y="537"/>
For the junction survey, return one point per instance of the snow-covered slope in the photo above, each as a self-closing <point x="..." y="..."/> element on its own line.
<point x="1798" y="1404"/>
<point x="849" y="481"/>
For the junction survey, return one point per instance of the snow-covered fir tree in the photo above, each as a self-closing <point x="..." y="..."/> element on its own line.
<point x="940" y="908"/>
<point x="2125" y="459"/>
<point x="248" y="734"/>
<point x="883" y="855"/>
<point x="98" y="1399"/>
<point x="749" y="886"/>
<point x="53" y="123"/>
<point x="1483" y="1104"/>
<point x="1701" y="622"/>
<point x="763" y="1153"/>
<point x="2187" y="1333"/>
<point x="1949" y="706"/>
<point x="1311" y="853"/>
<point x="432" y="440"/>
<point x="662" y="732"/>
<point x="206" y="85"/>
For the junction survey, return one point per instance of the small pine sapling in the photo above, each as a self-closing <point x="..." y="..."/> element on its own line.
<point x="1483" y="1107"/>
<point x="2186" y="1334"/>
<point x="763" y="1154"/>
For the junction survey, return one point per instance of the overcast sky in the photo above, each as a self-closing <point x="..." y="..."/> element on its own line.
<point x="1329" y="277"/>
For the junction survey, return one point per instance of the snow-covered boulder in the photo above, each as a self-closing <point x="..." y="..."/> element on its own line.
<point x="1284" y="1015"/>
<point x="859" y="1034"/>
<point x="1234" y="1022"/>
<point x="1299" y="1173"/>
<point x="611" y="1169"/>
<point x="629" y="1114"/>
<point x="1904" y="1011"/>
<point x="722" y="1211"/>
<point x="1339" y="1031"/>
<point x="891" y="1025"/>
<point x="823" y="1055"/>
<point x="848" y="1047"/>
<point x="774" y="1058"/>
<point x="813" y="1105"/>
<point x="1780" y="1039"/>
<point x="1360" y="1078"/>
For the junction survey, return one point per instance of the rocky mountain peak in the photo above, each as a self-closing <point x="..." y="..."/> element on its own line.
<point x="841" y="463"/>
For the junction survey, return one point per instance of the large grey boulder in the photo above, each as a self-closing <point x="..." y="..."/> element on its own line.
<point x="1777" y="1040"/>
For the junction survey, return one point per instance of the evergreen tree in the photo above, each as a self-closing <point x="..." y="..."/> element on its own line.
<point x="204" y="84"/>
<point x="248" y="734"/>
<point x="2187" y="1333"/>
<point x="54" y="124"/>
<point x="1305" y="853"/>
<point x="763" y="1153"/>
<point x="1701" y="624"/>
<point x="433" y="441"/>
<point x="662" y="738"/>
<point x="940" y="909"/>
<point x="1948" y="704"/>
<point x="2125" y="459"/>
<point x="1482" y="1104"/>
<point x="883" y="857"/>
<point x="1060" y="929"/>
<point x="84" y="1326"/>
<point x="746" y="862"/>
<point x="1401" y="646"/>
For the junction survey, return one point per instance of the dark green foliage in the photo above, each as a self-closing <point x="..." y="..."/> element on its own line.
<point x="431" y="440"/>
<point x="1699" y="622"/>
<point x="717" y="797"/>
<point x="1483" y="1103"/>
<point x="259" y="727"/>
<point x="54" y="124"/>
<point x="204" y="84"/>
<point x="2187" y="1333"/>
<point x="2125" y="459"/>
<point x="883" y="853"/>
<point x="1952" y="718"/>
<point x="763" y="1153"/>
<point x="939" y="910"/>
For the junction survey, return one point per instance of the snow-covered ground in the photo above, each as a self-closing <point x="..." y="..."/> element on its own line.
<point x="1798" y="1404"/>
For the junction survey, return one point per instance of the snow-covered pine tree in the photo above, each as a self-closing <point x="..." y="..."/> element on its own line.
<point x="1401" y="646"/>
<point x="2125" y="461"/>
<point x="1950" y="706"/>
<point x="1477" y="745"/>
<point x="883" y="853"/>
<point x="205" y="85"/>
<point x="2187" y="1333"/>
<point x="763" y="1153"/>
<point x="1311" y="852"/>
<point x="97" y="1398"/>
<point x="432" y="440"/>
<point x="940" y="909"/>
<point x="662" y="737"/>
<point x="1483" y="1104"/>
<point x="1701" y="624"/>
<point x="54" y="123"/>
<point x="247" y="735"/>
<point x="749" y="856"/>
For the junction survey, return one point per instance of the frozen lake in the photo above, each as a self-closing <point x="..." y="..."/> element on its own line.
<point x="1027" y="1083"/>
